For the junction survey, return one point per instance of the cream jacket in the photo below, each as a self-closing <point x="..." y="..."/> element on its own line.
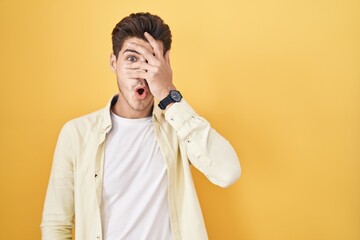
<point x="75" y="185"/>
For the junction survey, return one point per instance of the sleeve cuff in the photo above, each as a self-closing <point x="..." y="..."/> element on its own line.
<point x="179" y="113"/>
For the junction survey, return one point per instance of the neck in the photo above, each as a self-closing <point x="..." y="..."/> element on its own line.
<point x="123" y="109"/>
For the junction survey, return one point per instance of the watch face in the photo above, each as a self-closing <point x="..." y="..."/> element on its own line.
<point x="175" y="95"/>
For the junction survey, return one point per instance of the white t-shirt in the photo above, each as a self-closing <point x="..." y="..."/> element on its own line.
<point x="134" y="200"/>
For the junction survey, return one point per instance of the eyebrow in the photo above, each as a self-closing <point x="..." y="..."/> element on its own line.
<point x="130" y="50"/>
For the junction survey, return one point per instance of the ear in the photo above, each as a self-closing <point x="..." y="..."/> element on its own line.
<point x="167" y="57"/>
<point x="113" y="62"/>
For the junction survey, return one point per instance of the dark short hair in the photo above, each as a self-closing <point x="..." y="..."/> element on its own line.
<point x="135" y="25"/>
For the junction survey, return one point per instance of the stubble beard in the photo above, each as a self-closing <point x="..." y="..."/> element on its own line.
<point x="136" y="105"/>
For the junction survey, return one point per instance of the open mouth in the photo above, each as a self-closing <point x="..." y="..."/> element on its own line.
<point x="140" y="91"/>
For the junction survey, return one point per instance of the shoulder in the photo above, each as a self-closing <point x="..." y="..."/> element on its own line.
<point x="85" y="124"/>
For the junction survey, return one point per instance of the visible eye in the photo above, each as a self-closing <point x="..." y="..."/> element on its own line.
<point x="131" y="58"/>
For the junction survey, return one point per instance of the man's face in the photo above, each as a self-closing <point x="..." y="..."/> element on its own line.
<point x="135" y="92"/>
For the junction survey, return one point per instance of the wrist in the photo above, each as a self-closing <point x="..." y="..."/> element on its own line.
<point x="165" y="92"/>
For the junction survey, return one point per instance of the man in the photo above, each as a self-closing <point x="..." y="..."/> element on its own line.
<point x="123" y="172"/>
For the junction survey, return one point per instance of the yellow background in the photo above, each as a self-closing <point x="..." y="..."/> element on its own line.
<point x="280" y="79"/>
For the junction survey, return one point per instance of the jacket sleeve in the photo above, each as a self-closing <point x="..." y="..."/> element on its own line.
<point x="58" y="212"/>
<point x="206" y="149"/>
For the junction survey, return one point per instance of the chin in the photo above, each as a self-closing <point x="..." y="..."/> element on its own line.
<point x="143" y="105"/>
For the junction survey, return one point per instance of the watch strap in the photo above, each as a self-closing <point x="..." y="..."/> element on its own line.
<point x="165" y="102"/>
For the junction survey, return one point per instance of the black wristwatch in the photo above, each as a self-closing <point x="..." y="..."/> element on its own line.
<point x="174" y="96"/>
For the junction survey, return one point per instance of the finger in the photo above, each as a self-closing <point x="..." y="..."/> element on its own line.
<point x="158" y="48"/>
<point x="132" y="66"/>
<point x="139" y="65"/>
<point x="137" y="74"/>
<point x="149" y="56"/>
